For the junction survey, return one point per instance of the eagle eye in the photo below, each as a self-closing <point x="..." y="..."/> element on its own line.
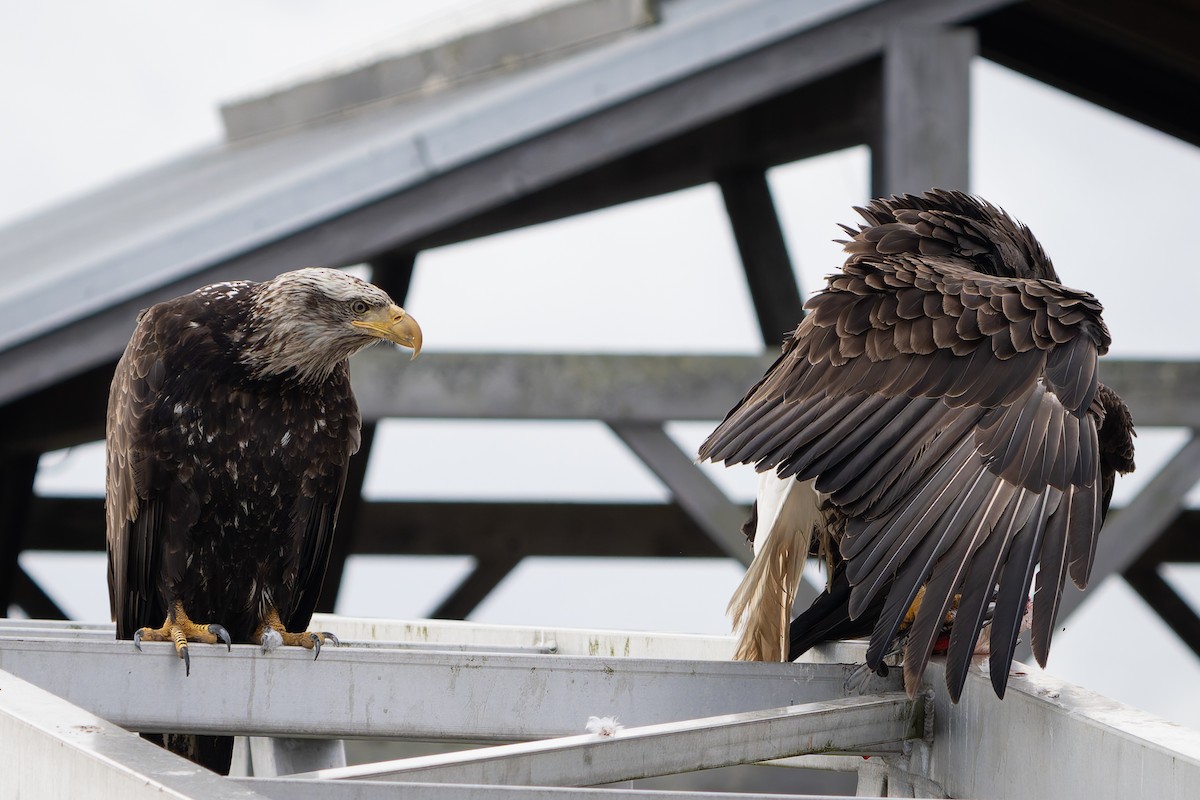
<point x="359" y="307"/>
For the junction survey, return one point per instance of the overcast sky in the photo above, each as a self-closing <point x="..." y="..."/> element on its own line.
<point x="99" y="90"/>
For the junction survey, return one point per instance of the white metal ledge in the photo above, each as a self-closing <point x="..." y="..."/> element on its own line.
<point x="1045" y="739"/>
<point x="52" y="748"/>
<point x="352" y="691"/>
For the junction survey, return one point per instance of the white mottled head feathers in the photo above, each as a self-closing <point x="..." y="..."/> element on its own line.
<point x="301" y="322"/>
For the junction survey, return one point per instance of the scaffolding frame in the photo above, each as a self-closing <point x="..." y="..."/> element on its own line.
<point x="70" y="694"/>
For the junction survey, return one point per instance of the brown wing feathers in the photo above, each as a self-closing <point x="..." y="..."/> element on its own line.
<point x="943" y="391"/>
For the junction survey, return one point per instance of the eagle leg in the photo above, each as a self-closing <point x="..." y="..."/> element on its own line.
<point x="272" y="633"/>
<point x="178" y="628"/>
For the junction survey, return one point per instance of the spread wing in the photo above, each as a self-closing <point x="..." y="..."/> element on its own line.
<point x="952" y="416"/>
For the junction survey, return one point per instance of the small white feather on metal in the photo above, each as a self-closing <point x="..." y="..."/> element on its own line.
<point x="603" y="726"/>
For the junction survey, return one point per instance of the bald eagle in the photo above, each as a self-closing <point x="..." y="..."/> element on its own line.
<point x="936" y="428"/>
<point x="230" y="424"/>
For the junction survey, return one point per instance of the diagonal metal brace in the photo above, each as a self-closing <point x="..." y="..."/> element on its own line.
<point x="870" y="725"/>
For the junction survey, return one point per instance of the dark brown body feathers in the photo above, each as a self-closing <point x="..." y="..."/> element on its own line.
<point x="223" y="488"/>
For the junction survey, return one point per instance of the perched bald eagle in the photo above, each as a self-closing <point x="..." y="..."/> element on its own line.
<point x="230" y="424"/>
<point x="936" y="424"/>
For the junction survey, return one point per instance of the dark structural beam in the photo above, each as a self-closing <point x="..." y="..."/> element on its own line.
<point x="393" y="273"/>
<point x="345" y="541"/>
<point x="924" y="138"/>
<point x="716" y="514"/>
<point x="1130" y="532"/>
<point x="61" y="415"/>
<point x="32" y="599"/>
<point x="1180" y="542"/>
<point x="16" y="490"/>
<point x="764" y="254"/>
<point x="1166" y="602"/>
<point x="1137" y="59"/>
<point x="639" y="530"/>
<point x="485" y="577"/>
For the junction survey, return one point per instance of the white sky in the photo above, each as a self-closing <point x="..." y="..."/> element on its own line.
<point x="98" y="90"/>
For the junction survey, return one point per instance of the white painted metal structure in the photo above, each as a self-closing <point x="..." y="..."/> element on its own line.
<point x="70" y="694"/>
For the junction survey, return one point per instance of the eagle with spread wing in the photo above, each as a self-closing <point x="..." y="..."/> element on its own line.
<point x="937" y="429"/>
<point x="230" y="425"/>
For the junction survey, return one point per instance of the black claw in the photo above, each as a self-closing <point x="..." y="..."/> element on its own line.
<point x="316" y="640"/>
<point x="187" y="660"/>
<point x="329" y="637"/>
<point x="137" y="639"/>
<point x="223" y="635"/>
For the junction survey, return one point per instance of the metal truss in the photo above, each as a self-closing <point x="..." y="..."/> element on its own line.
<point x="70" y="695"/>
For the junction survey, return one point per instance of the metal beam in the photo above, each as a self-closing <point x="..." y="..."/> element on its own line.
<point x="1179" y="544"/>
<point x="547" y="34"/>
<point x="624" y="388"/>
<point x="32" y="599"/>
<point x="1158" y="392"/>
<point x="396" y="693"/>
<point x="1048" y="738"/>
<point x="61" y="415"/>
<point x="561" y="641"/>
<point x="924" y="140"/>
<point x="1134" y="528"/>
<point x="702" y="499"/>
<point x="764" y="253"/>
<point x="1133" y="60"/>
<point x="348" y="520"/>
<point x="483" y="530"/>
<point x="55" y="749"/>
<point x="647" y="388"/>
<point x="871" y="725"/>
<point x="272" y="757"/>
<point x="17" y="474"/>
<point x="1166" y="602"/>
<point x="471" y="590"/>
<point x="554" y="386"/>
<point x="453" y="635"/>
<point x="288" y="789"/>
<point x="1096" y="747"/>
<point x="830" y="114"/>
<point x="393" y="273"/>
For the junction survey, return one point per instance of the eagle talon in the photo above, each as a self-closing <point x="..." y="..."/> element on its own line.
<point x="316" y="644"/>
<point x="187" y="661"/>
<point x="137" y="639"/>
<point x="222" y="634"/>
<point x="329" y="637"/>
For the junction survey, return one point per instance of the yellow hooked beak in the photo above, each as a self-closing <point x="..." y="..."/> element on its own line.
<point x="393" y="324"/>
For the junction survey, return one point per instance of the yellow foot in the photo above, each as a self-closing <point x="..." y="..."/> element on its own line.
<point x="179" y="629"/>
<point x="273" y="634"/>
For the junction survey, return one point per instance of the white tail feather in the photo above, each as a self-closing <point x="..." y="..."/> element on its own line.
<point x="761" y="606"/>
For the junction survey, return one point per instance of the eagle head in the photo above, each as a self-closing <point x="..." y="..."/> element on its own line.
<point x="310" y="320"/>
